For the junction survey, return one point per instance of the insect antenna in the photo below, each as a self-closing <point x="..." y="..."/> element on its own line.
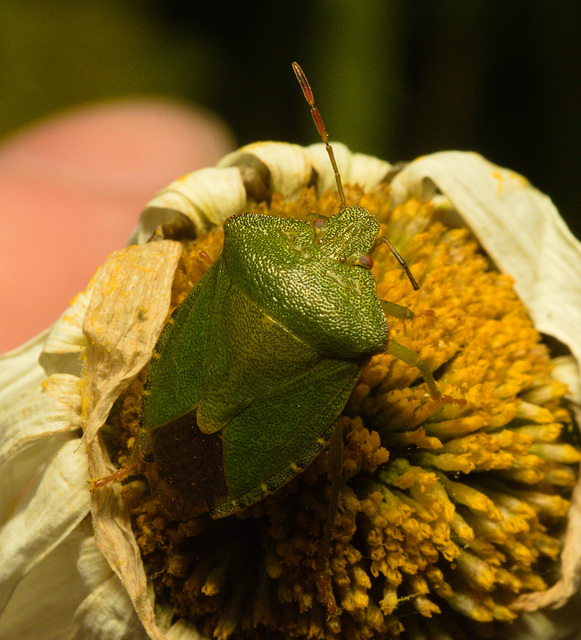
<point x="384" y="240"/>
<point x="308" y="93"/>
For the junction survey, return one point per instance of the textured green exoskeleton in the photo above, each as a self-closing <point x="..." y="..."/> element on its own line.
<point x="255" y="366"/>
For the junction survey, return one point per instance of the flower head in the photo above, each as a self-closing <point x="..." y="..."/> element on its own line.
<point x="454" y="506"/>
<point x="448" y="511"/>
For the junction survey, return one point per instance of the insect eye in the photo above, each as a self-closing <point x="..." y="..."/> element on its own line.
<point x="318" y="225"/>
<point x="365" y="261"/>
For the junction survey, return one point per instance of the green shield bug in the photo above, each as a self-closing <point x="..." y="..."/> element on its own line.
<point x="252" y="371"/>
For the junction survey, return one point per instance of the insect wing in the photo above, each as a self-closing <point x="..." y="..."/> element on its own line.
<point x="275" y="438"/>
<point x="179" y="367"/>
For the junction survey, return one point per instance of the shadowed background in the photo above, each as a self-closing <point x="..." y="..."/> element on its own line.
<point x="396" y="79"/>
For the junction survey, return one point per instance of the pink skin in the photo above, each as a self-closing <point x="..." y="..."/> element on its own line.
<point x="71" y="190"/>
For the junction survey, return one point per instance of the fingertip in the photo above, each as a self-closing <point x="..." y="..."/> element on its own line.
<point x="72" y="188"/>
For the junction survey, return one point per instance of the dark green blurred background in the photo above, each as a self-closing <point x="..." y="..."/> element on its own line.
<point x="394" y="78"/>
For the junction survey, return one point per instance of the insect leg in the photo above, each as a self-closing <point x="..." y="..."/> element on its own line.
<point x="409" y="357"/>
<point x="396" y="310"/>
<point x="125" y="472"/>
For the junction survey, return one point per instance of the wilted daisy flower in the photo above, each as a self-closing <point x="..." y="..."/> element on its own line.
<point x="454" y="517"/>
